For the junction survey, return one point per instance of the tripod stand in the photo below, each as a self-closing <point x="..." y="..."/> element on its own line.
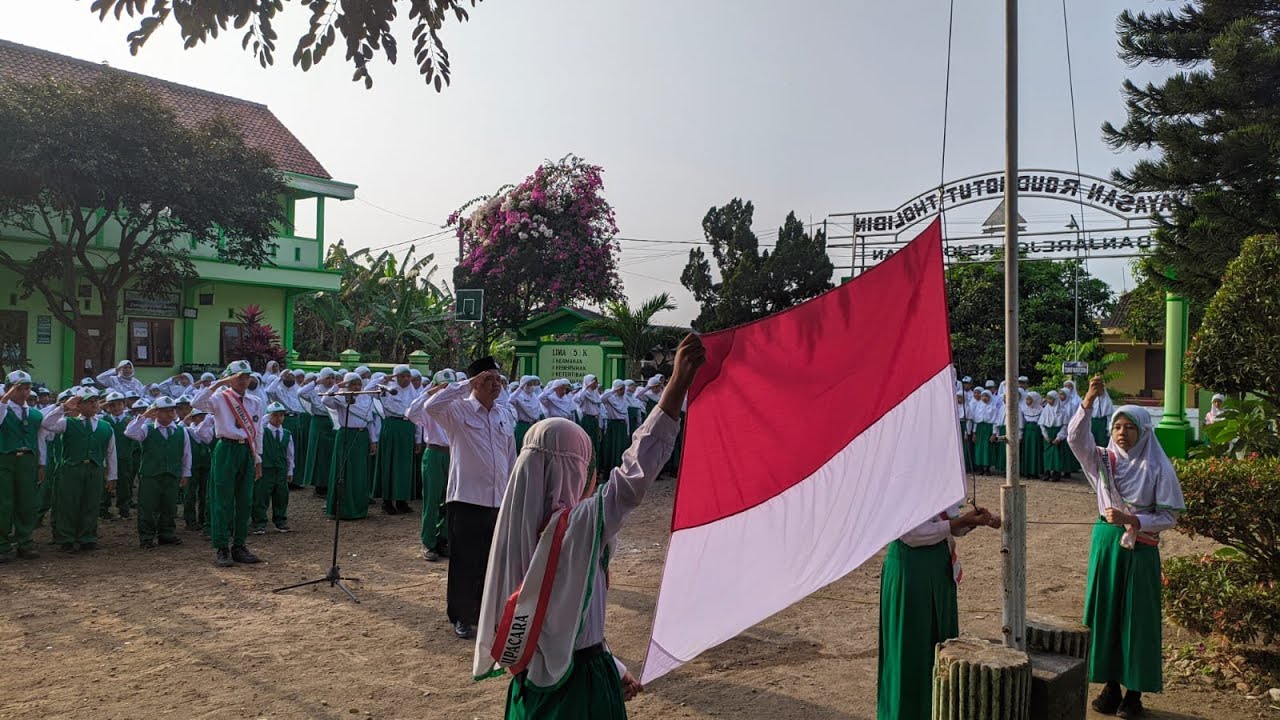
<point x="334" y="576"/>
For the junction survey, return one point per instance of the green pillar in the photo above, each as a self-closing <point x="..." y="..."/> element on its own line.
<point x="288" y="321"/>
<point x="421" y="362"/>
<point x="349" y="358"/>
<point x="1174" y="432"/>
<point x="188" y="326"/>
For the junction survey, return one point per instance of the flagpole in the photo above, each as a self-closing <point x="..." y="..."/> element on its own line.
<point x="1013" y="504"/>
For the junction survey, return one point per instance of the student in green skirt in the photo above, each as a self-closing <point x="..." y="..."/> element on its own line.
<point x="1053" y="422"/>
<point x="1139" y="496"/>
<point x="588" y="399"/>
<point x="397" y="436"/>
<point x="984" y="449"/>
<point x="1100" y="420"/>
<point x="616" y="438"/>
<point x="320" y="432"/>
<point x="355" y="442"/>
<point x="1031" y="457"/>
<point x="435" y="470"/>
<point x="918" y="610"/>
<point x="966" y="429"/>
<point x="564" y="670"/>
<point x="525" y="400"/>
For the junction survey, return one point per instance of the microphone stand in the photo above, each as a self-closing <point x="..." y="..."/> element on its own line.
<point x="334" y="576"/>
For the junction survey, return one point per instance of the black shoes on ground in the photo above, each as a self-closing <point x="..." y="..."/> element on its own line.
<point x="27" y="554"/>
<point x="242" y="555"/>
<point x="389" y="508"/>
<point x="1110" y="702"/>
<point x="464" y="631"/>
<point x="224" y="558"/>
<point x="403" y="507"/>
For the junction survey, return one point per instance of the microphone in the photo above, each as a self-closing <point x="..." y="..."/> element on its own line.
<point x="353" y="392"/>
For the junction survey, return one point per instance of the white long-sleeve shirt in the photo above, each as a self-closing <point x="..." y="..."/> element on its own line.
<point x="226" y="425"/>
<point x="288" y="449"/>
<point x="932" y="531"/>
<point x="202" y="432"/>
<point x="1080" y="439"/>
<point x="55" y="423"/>
<point x="111" y="380"/>
<point x="41" y="435"/>
<point x="433" y="433"/>
<point x="554" y="406"/>
<point x="588" y="401"/>
<point x="482" y="445"/>
<point x="527" y="407"/>
<point x="286" y="396"/>
<point x="614" y="406"/>
<point x="140" y="426"/>
<point x="397" y="406"/>
<point x="641" y="463"/>
<point x="358" y="415"/>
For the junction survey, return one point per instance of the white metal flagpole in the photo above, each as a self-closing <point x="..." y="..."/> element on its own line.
<point x="1013" y="503"/>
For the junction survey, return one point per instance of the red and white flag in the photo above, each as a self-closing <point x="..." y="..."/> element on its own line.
<point x="814" y="437"/>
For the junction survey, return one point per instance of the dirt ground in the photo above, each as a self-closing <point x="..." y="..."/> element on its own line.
<point x="127" y="633"/>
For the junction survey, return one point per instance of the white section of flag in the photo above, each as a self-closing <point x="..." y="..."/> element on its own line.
<point x="724" y="577"/>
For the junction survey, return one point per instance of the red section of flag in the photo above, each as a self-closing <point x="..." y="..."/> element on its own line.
<point x="779" y="397"/>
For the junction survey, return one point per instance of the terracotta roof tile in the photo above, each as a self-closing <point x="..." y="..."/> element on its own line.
<point x="260" y="127"/>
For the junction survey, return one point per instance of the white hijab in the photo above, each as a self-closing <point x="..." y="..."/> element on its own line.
<point x="547" y="481"/>
<point x="1032" y="413"/>
<point x="1144" y="478"/>
<point x="1053" y="416"/>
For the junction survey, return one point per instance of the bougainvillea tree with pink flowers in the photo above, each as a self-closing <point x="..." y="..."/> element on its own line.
<point x="539" y="245"/>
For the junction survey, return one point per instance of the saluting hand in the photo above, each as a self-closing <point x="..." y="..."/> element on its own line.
<point x="1096" y="388"/>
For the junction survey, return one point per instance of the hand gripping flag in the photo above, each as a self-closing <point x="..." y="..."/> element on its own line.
<point x="814" y="437"/>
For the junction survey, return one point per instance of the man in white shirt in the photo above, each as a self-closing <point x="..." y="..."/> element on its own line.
<point x="237" y="461"/>
<point x="396" y="439"/>
<point x="482" y="450"/>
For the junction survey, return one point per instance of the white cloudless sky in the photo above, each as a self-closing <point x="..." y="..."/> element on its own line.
<point x="819" y="107"/>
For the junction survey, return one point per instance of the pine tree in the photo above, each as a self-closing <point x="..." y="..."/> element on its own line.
<point x="1216" y="126"/>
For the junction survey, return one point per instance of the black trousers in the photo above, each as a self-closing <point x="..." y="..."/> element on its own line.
<point x="470" y="536"/>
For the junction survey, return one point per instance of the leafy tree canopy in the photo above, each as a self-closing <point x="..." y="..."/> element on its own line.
<point x="753" y="284"/>
<point x="1214" y="124"/>
<point x="117" y="189"/>
<point x="634" y="328"/>
<point x="364" y="26"/>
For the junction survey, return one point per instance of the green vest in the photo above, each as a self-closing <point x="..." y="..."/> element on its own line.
<point x="17" y="434"/>
<point x="201" y="455"/>
<point x="80" y="443"/>
<point x="127" y="450"/>
<point x="161" y="456"/>
<point x="274" y="452"/>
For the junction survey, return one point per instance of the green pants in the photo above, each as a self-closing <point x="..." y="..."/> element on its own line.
<point x="1122" y="608"/>
<point x="75" y="504"/>
<point x="18" y="500"/>
<point x="435" y="480"/>
<point x="230" y="493"/>
<point x="593" y="691"/>
<point x="51" y="474"/>
<point x="157" y="507"/>
<point x="127" y="472"/>
<point x="918" y="610"/>
<point x="195" y="499"/>
<point x="271" y="489"/>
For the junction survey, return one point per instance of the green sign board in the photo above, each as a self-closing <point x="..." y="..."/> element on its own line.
<point x="569" y="361"/>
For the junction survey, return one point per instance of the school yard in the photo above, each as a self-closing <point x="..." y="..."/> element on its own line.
<point x="125" y="633"/>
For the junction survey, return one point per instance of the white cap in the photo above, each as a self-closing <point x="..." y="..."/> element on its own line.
<point x="88" y="393"/>
<point x="276" y="407"/>
<point x="207" y="377"/>
<point x="460" y="375"/>
<point x="238" y="367"/>
<point x="164" y="402"/>
<point x="114" y="396"/>
<point x="990" y="383"/>
<point x="88" y="381"/>
<point x="18" y="377"/>
<point x="141" y="405"/>
<point x="444" y="376"/>
<point x="966" y="379"/>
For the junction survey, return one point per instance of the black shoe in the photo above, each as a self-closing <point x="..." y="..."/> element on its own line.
<point x="322" y="491"/>
<point x="242" y="555"/>
<point x="443" y="549"/>
<point x="1131" y="706"/>
<point x="403" y="507"/>
<point x="88" y="547"/>
<point x="27" y="554"/>
<point x="390" y="509"/>
<point x="124" y="515"/>
<point x="464" y="631"/>
<point x="224" y="558"/>
<point x="147" y="544"/>
<point x="5" y="558"/>
<point x="67" y="547"/>
<point x="1108" y="701"/>
<point x="105" y="515"/>
<point x="283" y="528"/>
<point x="295" y="486"/>
<point x="171" y="541"/>
<point x="430" y="555"/>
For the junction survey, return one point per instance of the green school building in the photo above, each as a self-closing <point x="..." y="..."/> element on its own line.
<point x="196" y="327"/>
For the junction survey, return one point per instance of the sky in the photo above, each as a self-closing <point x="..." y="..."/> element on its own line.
<point x="822" y="107"/>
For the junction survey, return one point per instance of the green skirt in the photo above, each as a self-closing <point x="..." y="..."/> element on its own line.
<point x="395" y="459"/>
<point x="616" y="440"/>
<point x="1031" y="460"/>
<point x="319" y="451"/>
<point x="918" y="610"/>
<point x="352" y="446"/>
<point x="967" y="446"/>
<point x="1101" y="437"/>
<point x="1122" y="609"/>
<point x="522" y="428"/>
<point x="999" y="452"/>
<point x="593" y="691"/>
<point x="298" y="425"/>
<point x="1055" y="455"/>
<point x="984" y="449"/>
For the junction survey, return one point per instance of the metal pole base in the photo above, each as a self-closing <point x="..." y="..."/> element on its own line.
<point x="333" y="577"/>
<point x="1013" y="554"/>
